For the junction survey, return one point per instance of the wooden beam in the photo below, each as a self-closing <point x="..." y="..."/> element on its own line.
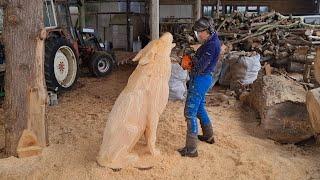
<point x="155" y="16"/>
<point x="197" y="9"/>
<point x="218" y="6"/>
<point x="26" y="94"/>
<point x="128" y="25"/>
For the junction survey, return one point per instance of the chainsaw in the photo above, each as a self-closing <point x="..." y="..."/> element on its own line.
<point x="186" y="61"/>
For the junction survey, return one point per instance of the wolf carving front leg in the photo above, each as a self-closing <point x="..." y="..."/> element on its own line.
<point x="151" y="133"/>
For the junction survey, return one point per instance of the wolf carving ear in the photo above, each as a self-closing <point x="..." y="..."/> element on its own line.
<point x="146" y="58"/>
<point x="147" y="54"/>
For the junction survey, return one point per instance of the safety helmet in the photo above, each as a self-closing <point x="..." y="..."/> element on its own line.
<point x="204" y="23"/>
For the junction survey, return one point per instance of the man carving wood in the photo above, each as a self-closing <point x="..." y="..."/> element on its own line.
<point x="203" y="64"/>
<point x="138" y="107"/>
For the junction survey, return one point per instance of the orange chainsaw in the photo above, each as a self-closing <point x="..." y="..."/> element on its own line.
<point x="186" y="61"/>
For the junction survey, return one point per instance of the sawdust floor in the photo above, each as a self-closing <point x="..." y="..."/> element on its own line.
<point x="76" y="126"/>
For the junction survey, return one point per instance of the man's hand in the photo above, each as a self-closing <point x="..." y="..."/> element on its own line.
<point x="195" y="47"/>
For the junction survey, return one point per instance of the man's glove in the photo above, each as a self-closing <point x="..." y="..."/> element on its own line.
<point x="186" y="62"/>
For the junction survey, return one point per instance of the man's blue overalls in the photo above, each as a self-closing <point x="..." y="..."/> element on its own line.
<point x="200" y="81"/>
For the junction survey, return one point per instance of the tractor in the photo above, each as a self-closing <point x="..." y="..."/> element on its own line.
<point x="66" y="48"/>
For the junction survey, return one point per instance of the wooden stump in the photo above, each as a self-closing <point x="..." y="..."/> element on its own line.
<point x="25" y="99"/>
<point x="313" y="105"/>
<point x="281" y="105"/>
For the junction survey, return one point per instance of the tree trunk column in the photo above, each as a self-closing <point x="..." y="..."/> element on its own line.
<point x="197" y="9"/>
<point x="218" y="8"/>
<point x="25" y="99"/>
<point x="154" y="21"/>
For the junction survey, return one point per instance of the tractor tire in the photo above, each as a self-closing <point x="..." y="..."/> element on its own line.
<point x="61" y="64"/>
<point x="101" y="64"/>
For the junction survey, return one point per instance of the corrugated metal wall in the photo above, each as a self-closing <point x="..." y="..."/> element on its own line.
<point x="177" y="11"/>
<point x="282" y="6"/>
<point x="111" y="27"/>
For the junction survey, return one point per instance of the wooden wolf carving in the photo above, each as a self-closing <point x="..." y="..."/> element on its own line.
<point x="136" y="111"/>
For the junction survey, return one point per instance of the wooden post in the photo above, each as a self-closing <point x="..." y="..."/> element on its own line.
<point x="218" y="6"/>
<point x="146" y="16"/>
<point x="155" y="16"/>
<point x="197" y="9"/>
<point x="128" y="25"/>
<point x="82" y="18"/>
<point x="97" y="22"/>
<point x="25" y="99"/>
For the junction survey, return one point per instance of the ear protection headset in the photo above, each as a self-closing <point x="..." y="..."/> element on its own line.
<point x="204" y="23"/>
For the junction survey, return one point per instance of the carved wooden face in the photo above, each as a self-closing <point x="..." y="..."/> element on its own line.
<point x="160" y="47"/>
<point x="167" y="38"/>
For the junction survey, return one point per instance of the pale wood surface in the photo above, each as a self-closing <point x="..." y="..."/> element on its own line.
<point x="137" y="109"/>
<point x="313" y="105"/>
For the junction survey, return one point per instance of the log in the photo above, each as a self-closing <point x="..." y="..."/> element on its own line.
<point x="294" y="67"/>
<point x="281" y="105"/>
<point x="263" y="16"/>
<point x="313" y="106"/>
<point x="268" y="69"/>
<point x="25" y="100"/>
<point x="305" y="59"/>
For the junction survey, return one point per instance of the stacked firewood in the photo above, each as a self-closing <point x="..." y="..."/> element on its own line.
<point x="282" y="41"/>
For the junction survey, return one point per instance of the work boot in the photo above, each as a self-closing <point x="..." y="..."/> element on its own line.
<point x="207" y="134"/>
<point x="190" y="150"/>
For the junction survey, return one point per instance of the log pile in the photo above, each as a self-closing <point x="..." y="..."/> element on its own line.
<point x="283" y="42"/>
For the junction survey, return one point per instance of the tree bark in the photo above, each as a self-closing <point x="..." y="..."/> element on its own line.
<point x="25" y="100"/>
<point x="281" y="105"/>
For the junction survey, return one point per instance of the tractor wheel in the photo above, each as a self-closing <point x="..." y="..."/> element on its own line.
<point x="61" y="64"/>
<point x="101" y="64"/>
